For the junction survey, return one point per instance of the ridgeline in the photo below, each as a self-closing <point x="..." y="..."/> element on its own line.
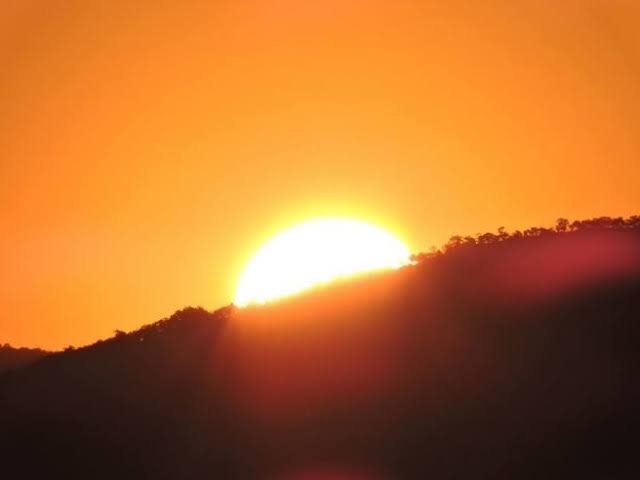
<point x="504" y="355"/>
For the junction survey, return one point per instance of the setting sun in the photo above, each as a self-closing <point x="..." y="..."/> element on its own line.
<point x="315" y="252"/>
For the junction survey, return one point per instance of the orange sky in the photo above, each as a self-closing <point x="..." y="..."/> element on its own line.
<point x="148" y="148"/>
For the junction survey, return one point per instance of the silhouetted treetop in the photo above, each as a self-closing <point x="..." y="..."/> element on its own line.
<point x="562" y="226"/>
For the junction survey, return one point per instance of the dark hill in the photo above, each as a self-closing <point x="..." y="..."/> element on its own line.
<point x="502" y="356"/>
<point x="15" y="358"/>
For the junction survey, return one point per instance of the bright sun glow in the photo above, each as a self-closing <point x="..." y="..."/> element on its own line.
<point x="315" y="252"/>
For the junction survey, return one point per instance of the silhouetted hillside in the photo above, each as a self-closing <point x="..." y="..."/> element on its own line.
<point x="13" y="358"/>
<point x="499" y="356"/>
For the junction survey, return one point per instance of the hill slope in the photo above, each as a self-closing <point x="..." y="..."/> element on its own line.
<point x="509" y="356"/>
<point x="15" y="358"/>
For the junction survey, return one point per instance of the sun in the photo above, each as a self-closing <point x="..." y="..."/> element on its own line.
<point x="314" y="252"/>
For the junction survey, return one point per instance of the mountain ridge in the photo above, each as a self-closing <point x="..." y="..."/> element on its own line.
<point x="515" y="356"/>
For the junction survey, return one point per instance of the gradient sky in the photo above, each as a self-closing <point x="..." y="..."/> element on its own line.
<point x="147" y="148"/>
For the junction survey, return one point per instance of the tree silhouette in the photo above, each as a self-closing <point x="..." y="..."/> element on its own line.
<point x="562" y="225"/>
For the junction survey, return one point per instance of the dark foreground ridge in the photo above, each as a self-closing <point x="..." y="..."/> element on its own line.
<point x="499" y="356"/>
<point x="15" y="358"/>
